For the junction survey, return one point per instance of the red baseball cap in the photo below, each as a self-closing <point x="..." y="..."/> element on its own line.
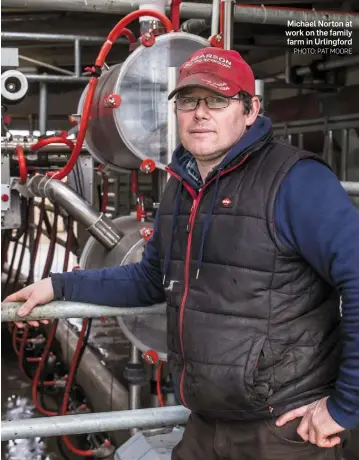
<point x="224" y="72"/>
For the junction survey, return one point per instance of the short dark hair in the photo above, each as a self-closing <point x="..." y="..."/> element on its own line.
<point x="246" y="98"/>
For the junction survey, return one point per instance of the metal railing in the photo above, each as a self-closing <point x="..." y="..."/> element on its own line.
<point x="63" y="310"/>
<point x="94" y="423"/>
<point x="77" y="40"/>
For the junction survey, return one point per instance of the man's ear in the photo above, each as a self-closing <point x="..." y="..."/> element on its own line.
<point x="252" y="115"/>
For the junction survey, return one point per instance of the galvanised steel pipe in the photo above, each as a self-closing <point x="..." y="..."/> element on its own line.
<point x="352" y="188"/>
<point x="63" y="310"/>
<point x="96" y="223"/>
<point x="57" y="78"/>
<point x="243" y="13"/>
<point x="94" y="423"/>
<point x="57" y="37"/>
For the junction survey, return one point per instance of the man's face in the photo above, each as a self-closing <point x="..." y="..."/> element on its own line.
<point x="209" y="133"/>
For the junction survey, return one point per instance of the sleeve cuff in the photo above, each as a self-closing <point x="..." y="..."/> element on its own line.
<point x="57" y="285"/>
<point x="345" y="419"/>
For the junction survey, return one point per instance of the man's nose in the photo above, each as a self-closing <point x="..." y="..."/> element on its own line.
<point x="202" y="111"/>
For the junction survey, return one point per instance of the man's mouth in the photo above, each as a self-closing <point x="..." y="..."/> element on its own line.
<point x="201" y="131"/>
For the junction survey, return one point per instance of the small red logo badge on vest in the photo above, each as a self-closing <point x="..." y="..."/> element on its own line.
<point x="227" y="202"/>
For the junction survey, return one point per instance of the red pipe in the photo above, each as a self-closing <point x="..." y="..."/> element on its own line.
<point x="175" y="14"/>
<point x="22" y="164"/>
<point x="221" y="17"/>
<point x="158" y="383"/>
<point x="65" y="401"/>
<point x="134" y="182"/>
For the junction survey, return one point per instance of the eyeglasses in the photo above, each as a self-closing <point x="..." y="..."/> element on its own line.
<point x="212" y="102"/>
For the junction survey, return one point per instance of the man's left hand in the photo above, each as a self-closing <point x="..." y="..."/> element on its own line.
<point x="317" y="426"/>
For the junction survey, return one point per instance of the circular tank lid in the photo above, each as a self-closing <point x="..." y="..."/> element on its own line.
<point x="143" y="84"/>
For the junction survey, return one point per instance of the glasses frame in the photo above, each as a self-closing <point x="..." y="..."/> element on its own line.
<point x="228" y="99"/>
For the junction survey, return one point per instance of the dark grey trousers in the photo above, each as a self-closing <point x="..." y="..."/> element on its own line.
<point x="206" y="439"/>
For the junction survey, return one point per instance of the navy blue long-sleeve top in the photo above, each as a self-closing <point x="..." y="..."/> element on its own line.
<point x="315" y="218"/>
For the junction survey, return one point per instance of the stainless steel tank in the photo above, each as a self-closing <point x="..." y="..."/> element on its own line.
<point x="137" y="129"/>
<point x="146" y="332"/>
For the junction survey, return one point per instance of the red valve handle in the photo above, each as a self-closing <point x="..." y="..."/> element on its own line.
<point x="148" y="166"/>
<point x="148" y="39"/>
<point x="151" y="356"/>
<point x="146" y="233"/>
<point x="216" y="41"/>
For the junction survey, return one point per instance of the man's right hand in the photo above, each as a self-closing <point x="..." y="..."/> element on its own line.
<point x="38" y="293"/>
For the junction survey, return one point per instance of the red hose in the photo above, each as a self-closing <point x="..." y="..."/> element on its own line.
<point x="65" y="401"/>
<point x="158" y="383"/>
<point x="129" y="35"/>
<point x="21" y="353"/>
<point x="175" y="14"/>
<point x="14" y="340"/>
<point x="41" y="365"/>
<point x="51" y="250"/>
<point x="22" y="164"/>
<point x="116" y="32"/>
<point x="52" y="140"/>
<point x="36" y="243"/>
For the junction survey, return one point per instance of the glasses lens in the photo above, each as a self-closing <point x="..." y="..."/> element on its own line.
<point x="186" y="103"/>
<point x="217" y="102"/>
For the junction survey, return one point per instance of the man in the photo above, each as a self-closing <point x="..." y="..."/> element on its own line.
<point x="255" y="241"/>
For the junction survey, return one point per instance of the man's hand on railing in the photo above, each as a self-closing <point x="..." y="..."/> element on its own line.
<point x="38" y="293"/>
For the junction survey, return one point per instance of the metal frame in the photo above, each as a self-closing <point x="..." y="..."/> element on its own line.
<point x="63" y="310"/>
<point x="77" y="40"/>
<point x="311" y="125"/>
<point x="94" y="423"/>
<point x="243" y="13"/>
